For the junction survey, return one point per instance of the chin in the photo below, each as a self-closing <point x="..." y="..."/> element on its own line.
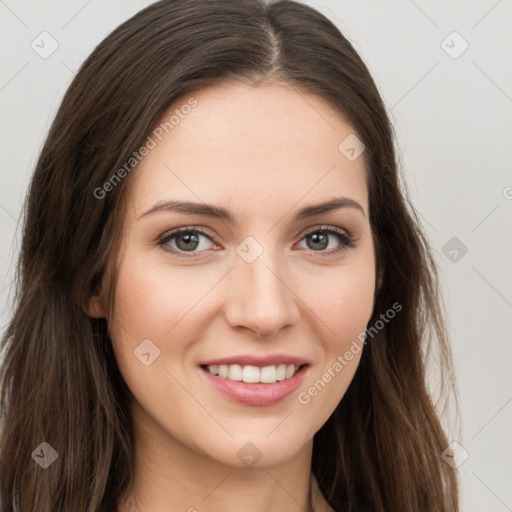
<point x="256" y="451"/>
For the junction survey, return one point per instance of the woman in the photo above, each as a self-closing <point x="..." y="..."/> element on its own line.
<point x="224" y="294"/>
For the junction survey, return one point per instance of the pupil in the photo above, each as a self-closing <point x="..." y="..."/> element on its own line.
<point x="189" y="244"/>
<point x="321" y="239"/>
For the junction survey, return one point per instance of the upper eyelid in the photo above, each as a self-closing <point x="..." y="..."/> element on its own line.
<point x="204" y="231"/>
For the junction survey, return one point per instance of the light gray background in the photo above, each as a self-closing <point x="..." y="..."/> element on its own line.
<point x="454" y="125"/>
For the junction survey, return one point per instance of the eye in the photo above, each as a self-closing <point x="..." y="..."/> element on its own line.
<point x="188" y="239"/>
<point x="184" y="240"/>
<point x="318" y="240"/>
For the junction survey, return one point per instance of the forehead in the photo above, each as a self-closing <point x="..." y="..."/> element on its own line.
<point x="240" y="144"/>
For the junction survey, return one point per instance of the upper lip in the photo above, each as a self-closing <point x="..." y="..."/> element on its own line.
<point x="260" y="361"/>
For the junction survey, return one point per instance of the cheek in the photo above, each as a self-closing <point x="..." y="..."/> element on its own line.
<point x="152" y="299"/>
<point x="161" y="303"/>
<point x="152" y="311"/>
<point x="343" y="300"/>
<point x="343" y="307"/>
<point x="146" y="307"/>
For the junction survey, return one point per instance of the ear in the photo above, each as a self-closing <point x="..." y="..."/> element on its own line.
<point x="96" y="306"/>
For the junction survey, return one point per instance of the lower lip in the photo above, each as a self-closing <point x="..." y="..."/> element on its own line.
<point x="256" y="393"/>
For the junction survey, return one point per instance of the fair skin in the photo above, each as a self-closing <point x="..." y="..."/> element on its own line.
<point x="263" y="153"/>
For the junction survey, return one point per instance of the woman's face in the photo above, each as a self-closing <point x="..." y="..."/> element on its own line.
<point x="263" y="288"/>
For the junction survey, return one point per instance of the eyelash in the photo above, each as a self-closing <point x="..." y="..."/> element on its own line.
<point x="346" y="240"/>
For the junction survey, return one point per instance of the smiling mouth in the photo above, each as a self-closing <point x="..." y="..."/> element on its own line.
<point x="254" y="374"/>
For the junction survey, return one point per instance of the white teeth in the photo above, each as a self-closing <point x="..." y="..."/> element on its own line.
<point x="250" y="374"/>
<point x="235" y="372"/>
<point x="268" y="374"/>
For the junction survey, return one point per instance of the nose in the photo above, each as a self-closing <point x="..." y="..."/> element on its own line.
<point x="260" y="298"/>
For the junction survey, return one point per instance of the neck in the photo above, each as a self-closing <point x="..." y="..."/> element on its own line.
<point x="170" y="475"/>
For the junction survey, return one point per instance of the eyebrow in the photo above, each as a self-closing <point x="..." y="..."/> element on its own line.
<point x="217" y="212"/>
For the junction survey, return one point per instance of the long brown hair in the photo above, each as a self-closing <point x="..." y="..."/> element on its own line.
<point x="60" y="384"/>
